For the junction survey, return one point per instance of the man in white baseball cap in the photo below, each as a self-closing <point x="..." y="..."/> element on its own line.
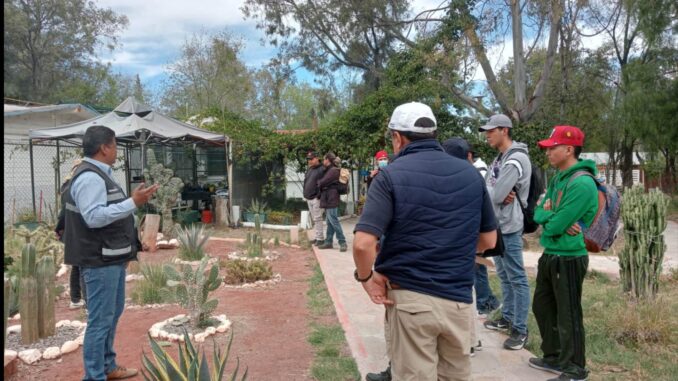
<point x="435" y="214"/>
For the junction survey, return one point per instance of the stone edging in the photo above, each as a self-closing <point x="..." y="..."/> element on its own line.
<point x="210" y="261"/>
<point x="260" y="283"/>
<point x="31" y="356"/>
<point x="157" y="332"/>
<point x="238" y="255"/>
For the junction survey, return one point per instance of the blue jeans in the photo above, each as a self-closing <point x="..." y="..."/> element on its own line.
<point x="514" y="286"/>
<point x="105" y="303"/>
<point x="333" y="226"/>
<point x="485" y="299"/>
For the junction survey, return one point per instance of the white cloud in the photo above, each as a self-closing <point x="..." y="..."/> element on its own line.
<point x="157" y="29"/>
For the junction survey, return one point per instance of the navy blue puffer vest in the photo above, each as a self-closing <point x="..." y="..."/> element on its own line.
<point x="430" y="245"/>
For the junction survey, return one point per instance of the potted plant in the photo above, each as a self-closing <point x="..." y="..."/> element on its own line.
<point x="256" y="207"/>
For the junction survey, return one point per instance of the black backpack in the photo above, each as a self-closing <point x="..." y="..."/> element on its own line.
<point x="536" y="189"/>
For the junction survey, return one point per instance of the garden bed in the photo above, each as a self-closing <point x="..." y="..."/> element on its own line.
<point x="270" y="324"/>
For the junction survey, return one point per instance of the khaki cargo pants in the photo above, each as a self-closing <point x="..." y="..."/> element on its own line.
<point x="428" y="337"/>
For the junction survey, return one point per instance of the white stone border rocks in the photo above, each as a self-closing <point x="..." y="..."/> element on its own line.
<point x="31" y="356"/>
<point x="210" y="261"/>
<point x="258" y="284"/>
<point x="156" y="331"/>
<point x="269" y="255"/>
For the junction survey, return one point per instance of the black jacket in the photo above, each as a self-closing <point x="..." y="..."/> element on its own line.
<point x="329" y="195"/>
<point x="313" y="174"/>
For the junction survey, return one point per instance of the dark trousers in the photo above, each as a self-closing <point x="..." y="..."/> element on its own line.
<point x="557" y="309"/>
<point x="77" y="285"/>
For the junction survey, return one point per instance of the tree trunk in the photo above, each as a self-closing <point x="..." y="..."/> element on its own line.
<point x="519" y="82"/>
<point x="626" y="154"/>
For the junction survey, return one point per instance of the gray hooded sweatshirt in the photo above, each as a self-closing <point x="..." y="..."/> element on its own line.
<point x="509" y="169"/>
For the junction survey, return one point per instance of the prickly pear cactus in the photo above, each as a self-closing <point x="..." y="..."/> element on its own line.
<point x="192" y="288"/>
<point x="166" y="196"/>
<point x="640" y="261"/>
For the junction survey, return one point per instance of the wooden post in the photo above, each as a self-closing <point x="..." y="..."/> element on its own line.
<point x="149" y="226"/>
<point x="221" y="211"/>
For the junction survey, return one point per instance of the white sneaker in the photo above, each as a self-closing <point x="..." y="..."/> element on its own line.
<point x="74" y="306"/>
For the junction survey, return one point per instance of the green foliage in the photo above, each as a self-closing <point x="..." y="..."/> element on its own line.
<point x="279" y="217"/>
<point x="191" y="365"/>
<point x="209" y="73"/>
<point x="51" y="49"/>
<point x="26" y="215"/>
<point x="192" y="240"/>
<point x="640" y="261"/>
<point x="165" y="197"/>
<point x="192" y="288"/>
<point x="149" y="290"/>
<point x="240" y="271"/>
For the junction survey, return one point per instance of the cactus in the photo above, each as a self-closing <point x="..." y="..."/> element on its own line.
<point x="255" y="242"/>
<point x="46" y="294"/>
<point x="28" y="294"/>
<point x="7" y="296"/>
<point x="192" y="289"/>
<point x="166" y="196"/>
<point x="640" y="261"/>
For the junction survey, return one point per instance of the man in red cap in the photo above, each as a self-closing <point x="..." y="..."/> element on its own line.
<point x="570" y="203"/>
<point x="382" y="161"/>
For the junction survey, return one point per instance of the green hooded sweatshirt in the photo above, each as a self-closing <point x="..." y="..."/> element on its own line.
<point x="579" y="202"/>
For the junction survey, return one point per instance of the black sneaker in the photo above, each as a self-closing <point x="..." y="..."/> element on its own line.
<point x="383" y="376"/>
<point x="326" y="246"/>
<point x="516" y="341"/>
<point x="500" y="324"/>
<point x="539" y="363"/>
<point x="564" y="377"/>
<point x="343" y="247"/>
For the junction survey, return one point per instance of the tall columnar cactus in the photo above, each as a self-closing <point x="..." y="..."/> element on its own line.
<point x="192" y="288"/>
<point x="28" y="294"/>
<point x="7" y="296"/>
<point x="255" y="241"/>
<point x="44" y="273"/>
<point x="165" y="197"/>
<point x="640" y="261"/>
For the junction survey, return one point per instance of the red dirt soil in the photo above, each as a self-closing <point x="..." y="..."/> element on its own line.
<point x="270" y="325"/>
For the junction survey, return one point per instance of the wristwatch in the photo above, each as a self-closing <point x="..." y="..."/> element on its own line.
<point x="355" y="275"/>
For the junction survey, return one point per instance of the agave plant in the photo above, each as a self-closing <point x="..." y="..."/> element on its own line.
<point x="192" y="288"/>
<point x="258" y="207"/>
<point x="192" y="364"/>
<point x="192" y="240"/>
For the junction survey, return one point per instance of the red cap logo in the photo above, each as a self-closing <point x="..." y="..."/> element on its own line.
<point x="564" y="135"/>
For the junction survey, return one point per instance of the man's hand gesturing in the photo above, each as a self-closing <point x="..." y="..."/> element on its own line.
<point x="141" y="195"/>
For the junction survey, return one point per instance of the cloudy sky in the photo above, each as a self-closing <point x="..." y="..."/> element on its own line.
<point x="157" y="29"/>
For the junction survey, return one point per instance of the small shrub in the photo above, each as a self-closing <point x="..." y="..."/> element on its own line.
<point x="192" y="241"/>
<point x="280" y="218"/>
<point x="26" y="215"/>
<point x="644" y="322"/>
<point x="240" y="271"/>
<point x="150" y="289"/>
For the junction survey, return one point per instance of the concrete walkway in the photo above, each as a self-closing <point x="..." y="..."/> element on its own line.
<point x="364" y="326"/>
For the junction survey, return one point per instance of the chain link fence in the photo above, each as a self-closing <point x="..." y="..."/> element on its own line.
<point x="52" y="163"/>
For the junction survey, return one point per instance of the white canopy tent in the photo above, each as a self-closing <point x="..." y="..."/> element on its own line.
<point x="135" y="125"/>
